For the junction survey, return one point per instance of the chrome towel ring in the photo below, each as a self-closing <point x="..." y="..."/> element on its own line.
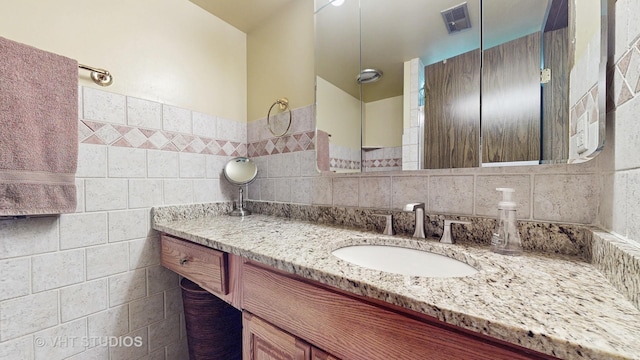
<point x="283" y="104"/>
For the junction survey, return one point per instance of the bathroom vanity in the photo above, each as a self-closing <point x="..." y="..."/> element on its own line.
<point x="301" y="302"/>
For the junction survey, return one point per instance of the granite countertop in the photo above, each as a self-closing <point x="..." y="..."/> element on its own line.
<point x="555" y="305"/>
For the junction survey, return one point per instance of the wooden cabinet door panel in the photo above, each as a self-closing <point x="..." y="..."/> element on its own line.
<point x="263" y="341"/>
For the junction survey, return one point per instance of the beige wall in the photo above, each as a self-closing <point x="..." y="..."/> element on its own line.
<point x="169" y="51"/>
<point x="338" y="113"/>
<point x="280" y="60"/>
<point x="382" y="124"/>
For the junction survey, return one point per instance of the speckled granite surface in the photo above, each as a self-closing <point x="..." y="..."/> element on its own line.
<point x="553" y="304"/>
<point x="564" y="239"/>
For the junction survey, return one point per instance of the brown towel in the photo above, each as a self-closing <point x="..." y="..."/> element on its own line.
<point x="38" y="131"/>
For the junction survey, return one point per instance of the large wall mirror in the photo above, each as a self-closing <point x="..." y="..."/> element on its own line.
<point x="414" y="84"/>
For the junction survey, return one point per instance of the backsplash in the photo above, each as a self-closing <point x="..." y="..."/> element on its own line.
<point x="560" y="239"/>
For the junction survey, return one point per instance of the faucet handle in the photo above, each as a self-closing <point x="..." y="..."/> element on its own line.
<point x="388" y="229"/>
<point x="413" y="206"/>
<point x="446" y="233"/>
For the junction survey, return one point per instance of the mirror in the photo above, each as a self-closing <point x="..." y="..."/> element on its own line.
<point x="240" y="171"/>
<point x="565" y="117"/>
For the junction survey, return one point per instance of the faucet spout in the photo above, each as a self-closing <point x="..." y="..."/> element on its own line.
<point x="418" y="208"/>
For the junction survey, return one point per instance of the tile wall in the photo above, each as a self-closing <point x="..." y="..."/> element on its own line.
<point x="69" y="285"/>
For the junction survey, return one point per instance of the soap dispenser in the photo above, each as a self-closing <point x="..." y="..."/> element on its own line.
<point x="506" y="238"/>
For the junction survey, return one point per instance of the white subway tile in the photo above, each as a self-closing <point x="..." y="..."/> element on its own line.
<point x="127" y="287"/>
<point x="204" y="125"/>
<point x="375" y="192"/>
<point x="215" y="165"/>
<point x="283" y="190"/>
<point x="205" y="191"/>
<point x="17" y="349"/>
<point x="107" y="260"/>
<point x="138" y="349"/>
<point x="61" y="341"/>
<point x="84" y="299"/>
<point x="14" y="278"/>
<point x="105" y="194"/>
<point x="487" y="197"/>
<point x="112" y="322"/>
<point x="322" y="191"/>
<point x="146" y="311"/>
<point x="162" y="164"/>
<point x="145" y="193"/>
<point x="451" y="195"/>
<point x="95" y="353"/>
<point x="345" y="191"/>
<point x="79" y="195"/>
<point x="144" y="113"/>
<point x="164" y="332"/>
<point x="565" y="198"/>
<point x="144" y="252"/>
<point x="192" y="165"/>
<point x="409" y="189"/>
<point x="28" y="314"/>
<point x="160" y="278"/>
<point x="267" y="189"/>
<point x="127" y="162"/>
<point x="179" y="350"/>
<point x="173" y="301"/>
<point x="178" y="192"/>
<point x="82" y="229"/>
<point x="92" y="161"/>
<point x="176" y="119"/>
<point x="129" y="224"/>
<point x="28" y="236"/>
<point x="63" y="268"/>
<point x="301" y="190"/>
<point x="100" y="105"/>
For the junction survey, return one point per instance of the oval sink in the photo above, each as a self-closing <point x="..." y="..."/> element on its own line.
<point x="404" y="261"/>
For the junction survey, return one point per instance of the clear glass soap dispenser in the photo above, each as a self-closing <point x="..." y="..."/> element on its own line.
<point x="506" y="238"/>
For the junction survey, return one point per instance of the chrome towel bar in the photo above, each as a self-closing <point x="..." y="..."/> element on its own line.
<point x="101" y="77"/>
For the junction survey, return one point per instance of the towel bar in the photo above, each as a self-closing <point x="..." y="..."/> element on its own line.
<point x="99" y="76"/>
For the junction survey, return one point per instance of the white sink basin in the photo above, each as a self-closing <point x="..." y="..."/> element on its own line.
<point x="404" y="261"/>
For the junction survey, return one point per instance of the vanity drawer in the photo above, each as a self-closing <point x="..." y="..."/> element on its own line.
<point x="202" y="265"/>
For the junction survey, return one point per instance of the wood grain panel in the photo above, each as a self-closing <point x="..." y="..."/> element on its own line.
<point x="511" y="101"/>
<point x="452" y="112"/>
<point x="350" y="328"/>
<point x="202" y="265"/>
<point x="317" y="354"/>
<point x="263" y="341"/>
<point x="555" y="96"/>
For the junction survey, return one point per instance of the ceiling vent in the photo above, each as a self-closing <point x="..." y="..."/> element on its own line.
<point x="456" y="18"/>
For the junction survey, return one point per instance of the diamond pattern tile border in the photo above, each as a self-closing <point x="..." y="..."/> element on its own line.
<point x="93" y="132"/>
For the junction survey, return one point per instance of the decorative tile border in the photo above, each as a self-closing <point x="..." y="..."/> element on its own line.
<point x="623" y="78"/>
<point x="383" y="163"/>
<point x="587" y="103"/>
<point x="102" y="133"/>
<point x="343" y="164"/>
<point x="281" y="145"/>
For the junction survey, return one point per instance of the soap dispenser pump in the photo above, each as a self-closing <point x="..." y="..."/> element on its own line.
<point x="506" y="238"/>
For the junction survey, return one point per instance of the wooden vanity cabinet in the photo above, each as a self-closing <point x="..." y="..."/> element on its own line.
<point x="289" y="317"/>
<point x="350" y="327"/>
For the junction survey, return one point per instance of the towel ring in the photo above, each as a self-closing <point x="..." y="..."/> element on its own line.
<point x="283" y="103"/>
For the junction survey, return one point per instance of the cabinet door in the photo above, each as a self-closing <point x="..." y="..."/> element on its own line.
<point x="317" y="354"/>
<point x="263" y="341"/>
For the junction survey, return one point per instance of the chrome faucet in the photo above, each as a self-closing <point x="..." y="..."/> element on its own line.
<point x="419" y="210"/>
<point x="446" y="234"/>
<point x="388" y="229"/>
